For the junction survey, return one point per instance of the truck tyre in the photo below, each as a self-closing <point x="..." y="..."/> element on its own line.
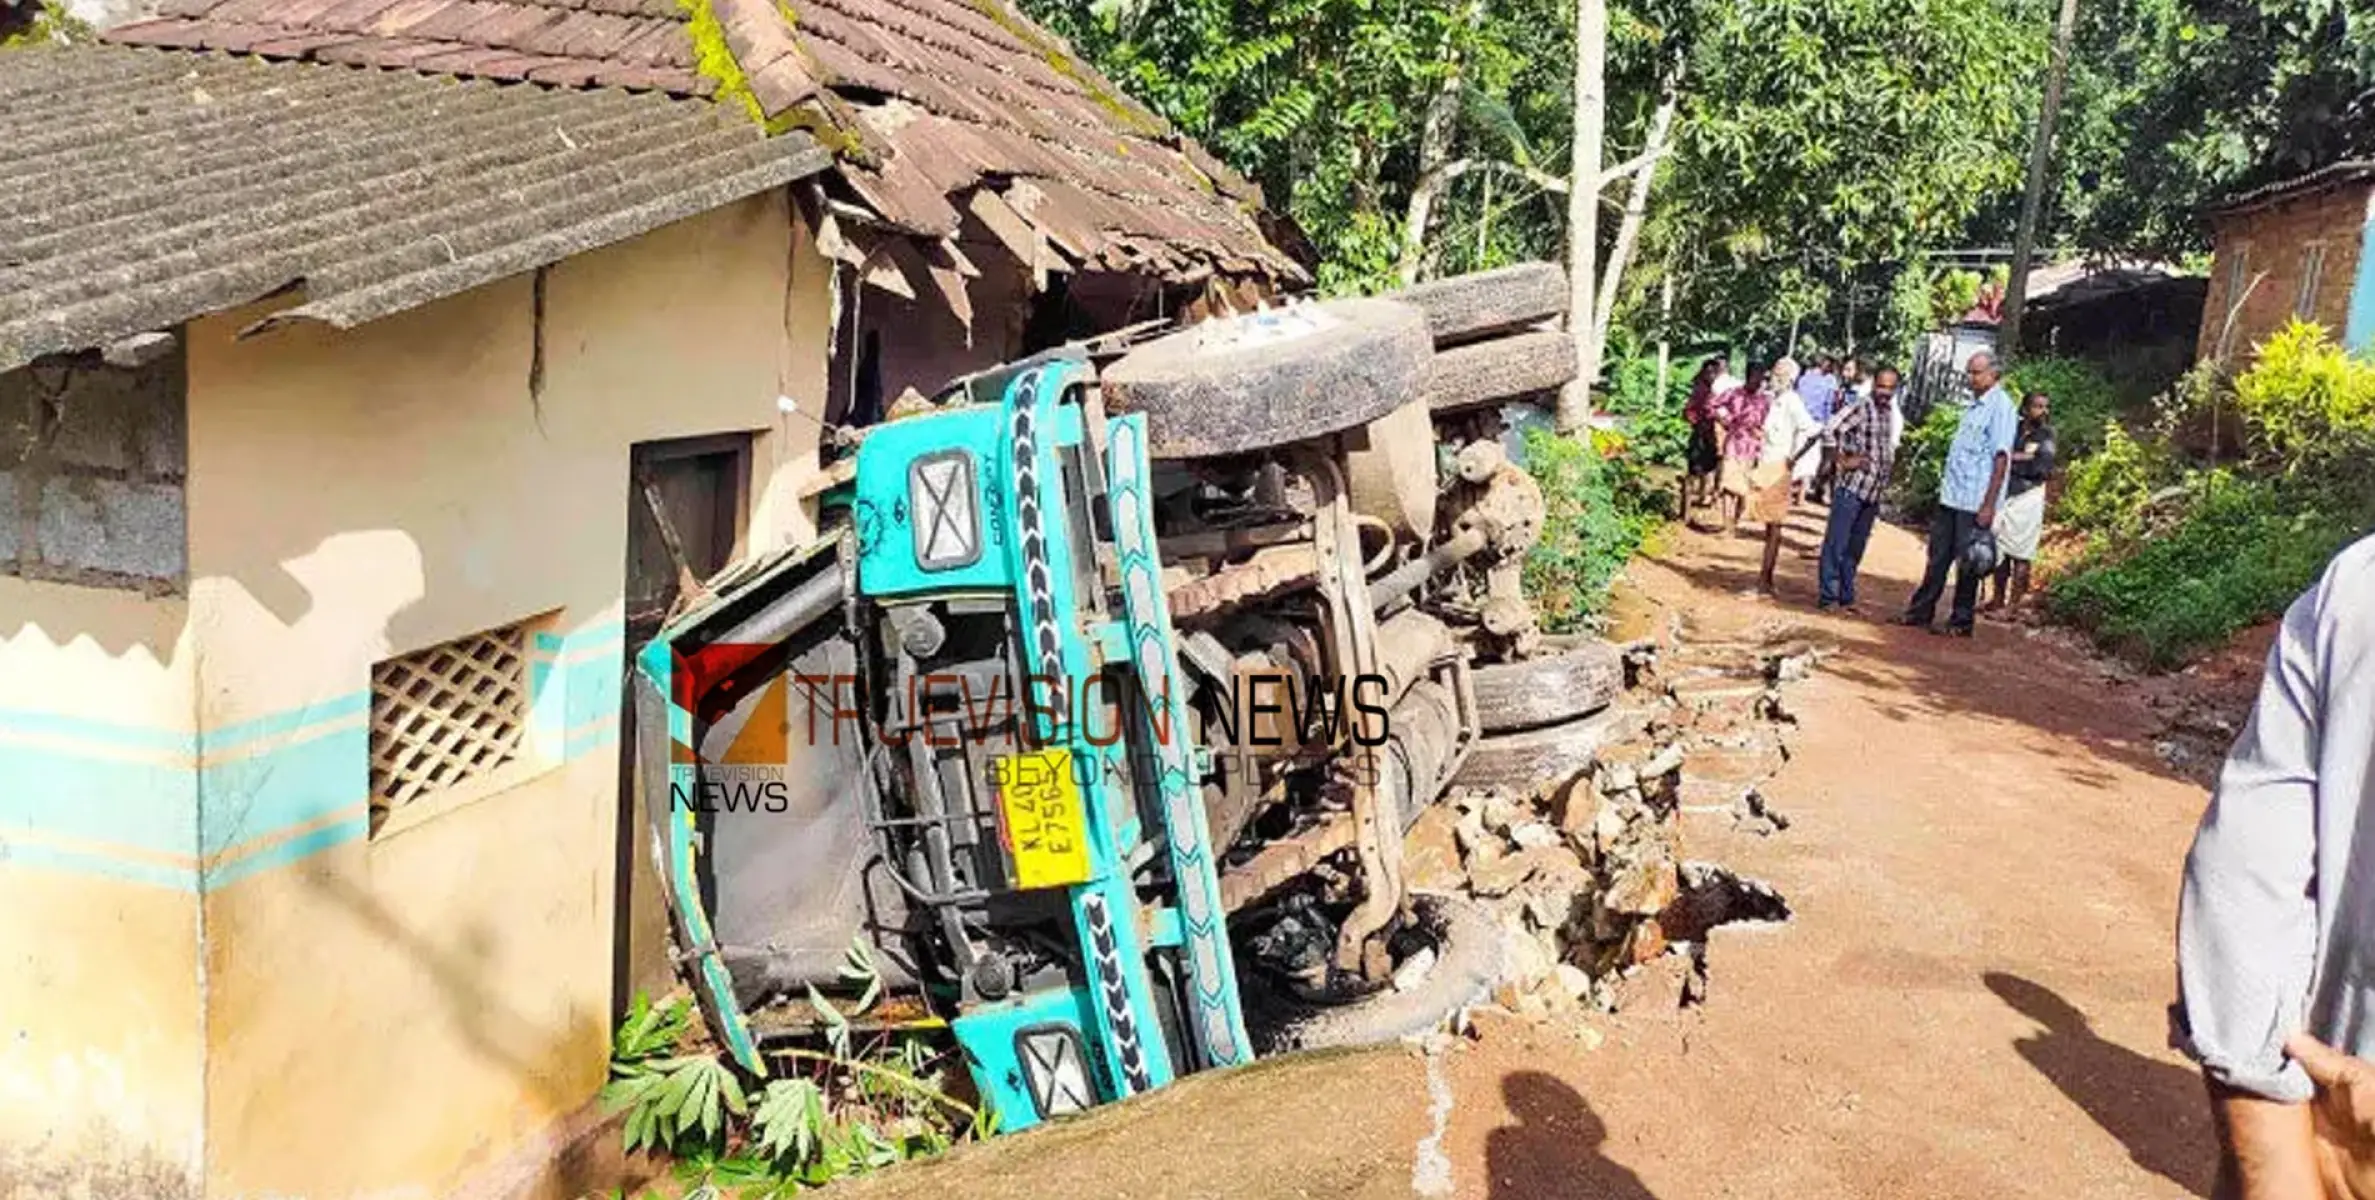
<point x="1537" y="758"/>
<point x="1501" y="370"/>
<point x="1514" y="697"/>
<point x="1469" y="963"/>
<point x="1466" y="308"/>
<point x="1250" y="383"/>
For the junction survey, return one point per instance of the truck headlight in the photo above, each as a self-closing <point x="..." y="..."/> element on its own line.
<point x="945" y="510"/>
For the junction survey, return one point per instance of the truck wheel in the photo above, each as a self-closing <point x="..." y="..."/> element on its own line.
<point x="1500" y="370"/>
<point x="1514" y="697"/>
<point x="1524" y="762"/>
<point x="1465" y="308"/>
<point x="1469" y="962"/>
<point x="1250" y="383"/>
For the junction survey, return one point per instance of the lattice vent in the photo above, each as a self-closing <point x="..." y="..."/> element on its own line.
<point x="446" y="715"/>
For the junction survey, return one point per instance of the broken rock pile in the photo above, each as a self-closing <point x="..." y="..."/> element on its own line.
<point x="1587" y="875"/>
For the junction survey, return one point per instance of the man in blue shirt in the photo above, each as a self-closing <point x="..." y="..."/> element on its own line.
<point x="1967" y="495"/>
<point x="1819" y="387"/>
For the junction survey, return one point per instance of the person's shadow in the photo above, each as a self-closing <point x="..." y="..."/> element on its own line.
<point x="1553" y="1151"/>
<point x="2158" y="1111"/>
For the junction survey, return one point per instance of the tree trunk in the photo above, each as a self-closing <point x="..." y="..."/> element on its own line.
<point x="1583" y="204"/>
<point x="2024" y="244"/>
<point x="1628" y="230"/>
<point x="1434" y="152"/>
<point x="1665" y="328"/>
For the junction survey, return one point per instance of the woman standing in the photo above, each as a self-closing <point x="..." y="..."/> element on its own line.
<point x="1704" y="455"/>
<point x="2020" y="521"/>
<point x="1741" y="415"/>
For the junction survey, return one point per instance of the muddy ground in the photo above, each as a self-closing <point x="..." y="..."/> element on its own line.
<point x="1971" y="1000"/>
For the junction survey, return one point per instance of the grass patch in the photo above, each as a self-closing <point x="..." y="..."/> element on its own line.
<point x="2238" y="556"/>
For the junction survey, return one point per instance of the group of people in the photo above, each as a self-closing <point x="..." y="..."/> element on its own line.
<point x="1761" y="445"/>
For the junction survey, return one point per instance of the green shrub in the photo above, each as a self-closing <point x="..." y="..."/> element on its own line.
<point x="2309" y="403"/>
<point x="1921" y="460"/>
<point x="2240" y="554"/>
<point x="1653" y="423"/>
<point x="2084" y="399"/>
<point x="2106" y="493"/>
<point x="1599" y="512"/>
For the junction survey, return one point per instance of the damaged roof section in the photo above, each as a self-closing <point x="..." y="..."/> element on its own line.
<point x="939" y="107"/>
<point x="141" y="189"/>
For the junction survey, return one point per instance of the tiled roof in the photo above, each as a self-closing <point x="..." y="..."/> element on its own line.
<point x="2335" y="175"/>
<point x="931" y="101"/>
<point x="140" y="189"/>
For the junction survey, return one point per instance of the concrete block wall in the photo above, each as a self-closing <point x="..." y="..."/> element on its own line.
<point x="93" y="469"/>
<point x="2275" y="240"/>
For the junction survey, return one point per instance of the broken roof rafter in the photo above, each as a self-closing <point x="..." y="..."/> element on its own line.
<point x="1001" y="101"/>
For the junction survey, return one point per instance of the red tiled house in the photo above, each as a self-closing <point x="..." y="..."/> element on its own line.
<point x="995" y="192"/>
<point x="348" y="349"/>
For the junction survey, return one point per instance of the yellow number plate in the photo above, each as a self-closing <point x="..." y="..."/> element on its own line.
<point x="1046" y="824"/>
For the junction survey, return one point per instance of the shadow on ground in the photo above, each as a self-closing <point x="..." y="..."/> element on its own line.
<point x="1555" y="1146"/>
<point x="2003" y="673"/>
<point x="2138" y="1100"/>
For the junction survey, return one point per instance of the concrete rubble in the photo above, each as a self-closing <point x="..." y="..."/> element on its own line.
<point x="1589" y="877"/>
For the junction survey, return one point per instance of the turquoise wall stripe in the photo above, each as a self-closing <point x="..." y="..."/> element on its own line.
<point x="205" y="795"/>
<point x="282" y="788"/>
<point x="79" y="862"/>
<point x="2360" y="334"/>
<point x="102" y="798"/>
<point x="292" y="850"/>
<point x="339" y="708"/>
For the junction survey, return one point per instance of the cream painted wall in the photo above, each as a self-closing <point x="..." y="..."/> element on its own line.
<point x="385" y="1015"/>
<point x="100" y="1038"/>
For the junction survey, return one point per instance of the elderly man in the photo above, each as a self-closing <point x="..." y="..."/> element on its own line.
<point x="2276" y="921"/>
<point x="1967" y="495"/>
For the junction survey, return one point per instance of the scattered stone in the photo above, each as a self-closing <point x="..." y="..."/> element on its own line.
<point x="1498" y="874"/>
<point x="1431" y="851"/>
<point x="1573" y="980"/>
<point x="1643" y="889"/>
<point x="1501" y="811"/>
<point x="1577" y="804"/>
<point x="1469" y="833"/>
<point x="1534" y="835"/>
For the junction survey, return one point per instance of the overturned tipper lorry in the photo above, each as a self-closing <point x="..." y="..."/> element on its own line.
<point x="1103" y="712"/>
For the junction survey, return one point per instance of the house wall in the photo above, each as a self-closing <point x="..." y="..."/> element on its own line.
<point x="389" y="1013"/>
<point x="100" y="1034"/>
<point x="2276" y="240"/>
<point x="100" y="1050"/>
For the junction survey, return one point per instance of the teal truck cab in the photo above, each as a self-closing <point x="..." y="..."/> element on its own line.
<point x="1010" y="719"/>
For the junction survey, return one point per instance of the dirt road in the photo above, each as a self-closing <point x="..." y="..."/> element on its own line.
<point x="1971" y="1000"/>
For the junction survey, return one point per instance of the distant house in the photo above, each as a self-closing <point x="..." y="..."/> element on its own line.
<point x="2296" y="248"/>
<point x="353" y="358"/>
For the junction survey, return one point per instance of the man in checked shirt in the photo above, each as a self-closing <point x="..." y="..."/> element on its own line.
<point x="1865" y="455"/>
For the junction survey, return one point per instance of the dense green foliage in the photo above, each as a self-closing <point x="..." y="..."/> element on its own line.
<point x="2240" y="554"/>
<point x="1600" y="512"/>
<point x="2084" y="399"/>
<point x="1655" y="433"/>
<point x="2310" y="403"/>
<point x="1832" y="140"/>
<point x="2173" y="103"/>
<point x="858" y="1110"/>
<point x="1921" y="460"/>
<point x="1788" y="175"/>
<point x="2177" y="556"/>
<point x="41" y="25"/>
